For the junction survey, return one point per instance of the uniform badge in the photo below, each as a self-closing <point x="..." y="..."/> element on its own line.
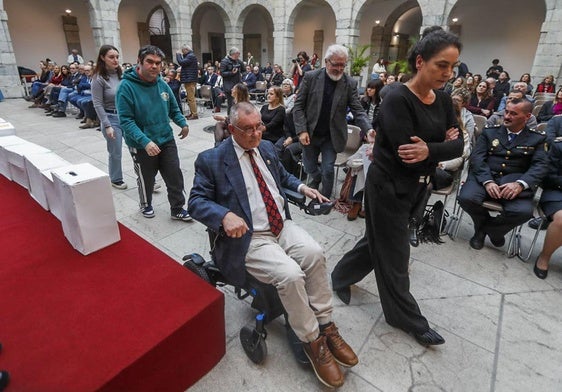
<point x="165" y="96"/>
<point x="495" y="142"/>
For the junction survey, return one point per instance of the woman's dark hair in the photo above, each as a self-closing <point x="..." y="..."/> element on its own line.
<point x="63" y="67"/>
<point x="303" y="55"/>
<point x="434" y="39"/>
<point x="100" y="68"/>
<point x="377" y="85"/>
<point x="525" y="74"/>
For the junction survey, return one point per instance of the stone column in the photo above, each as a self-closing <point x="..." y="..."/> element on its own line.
<point x="10" y="83"/>
<point x="547" y="57"/>
<point x="105" y="24"/>
<point x="283" y="43"/>
<point x="180" y="28"/>
<point x="234" y="39"/>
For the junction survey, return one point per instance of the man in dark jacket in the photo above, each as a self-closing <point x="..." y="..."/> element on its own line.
<point x="506" y="166"/>
<point x="231" y="67"/>
<point x="188" y="76"/>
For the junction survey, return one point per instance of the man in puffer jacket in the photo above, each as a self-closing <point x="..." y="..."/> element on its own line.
<point x="188" y="76"/>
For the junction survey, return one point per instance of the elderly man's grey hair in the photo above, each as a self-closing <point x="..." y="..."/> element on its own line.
<point x="233" y="50"/>
<point x="186" y="47"/>
<point x="336" y="50"/>
<point x="242" y="109"/>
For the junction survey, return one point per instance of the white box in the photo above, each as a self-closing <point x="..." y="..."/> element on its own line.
<point x="88" y="214"/>
<point x="15" y="155"/>
<point x="35" y="165"/>
<point x="6" y="128"/>
<point x="4" y="142"/>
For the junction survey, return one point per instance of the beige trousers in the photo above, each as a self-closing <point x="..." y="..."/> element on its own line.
<point x="190" y="89"/>
<point x="296" y="266"/>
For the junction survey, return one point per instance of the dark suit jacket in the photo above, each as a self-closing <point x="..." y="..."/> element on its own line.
<point x="308" y="106"/>
<point x="554" y="128"/>
<point x="495" y="159"/>
<point x="218" y="187"/>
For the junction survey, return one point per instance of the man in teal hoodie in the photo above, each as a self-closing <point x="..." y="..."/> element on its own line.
<point x="145" y="104"/>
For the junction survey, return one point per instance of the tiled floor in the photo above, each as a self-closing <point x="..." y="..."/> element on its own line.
<point x="503" y="326"/>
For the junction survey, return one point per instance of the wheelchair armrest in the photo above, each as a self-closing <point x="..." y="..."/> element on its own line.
<point x="295" y="197"/>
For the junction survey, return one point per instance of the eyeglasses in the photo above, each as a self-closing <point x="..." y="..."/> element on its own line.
<point x="249" y="130"/>
<point x="337" y="65"/>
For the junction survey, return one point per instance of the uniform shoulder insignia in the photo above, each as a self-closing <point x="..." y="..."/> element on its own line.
<point x="558" y="139"/>
<point x="536" y="130"/>
<point x="492" y="126"/>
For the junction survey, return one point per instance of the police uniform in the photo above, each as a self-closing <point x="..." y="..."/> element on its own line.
<point x="551" y="198"/>
<point x="494" y="158"/>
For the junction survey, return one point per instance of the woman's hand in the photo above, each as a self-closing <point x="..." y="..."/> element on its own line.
<point x="414" y="152"/>
<point x="110" y="132"/>
<point x="287" y="141"/>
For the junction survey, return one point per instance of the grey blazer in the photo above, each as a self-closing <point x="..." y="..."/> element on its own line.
<point x="308" y="106"/>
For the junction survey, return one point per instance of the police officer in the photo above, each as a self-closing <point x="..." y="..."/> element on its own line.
<point x="506" y="166"/>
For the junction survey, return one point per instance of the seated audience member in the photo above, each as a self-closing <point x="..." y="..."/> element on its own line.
<point x="445" y="170"/>
<point x="477" y="79"/>
<point x="228" y="197"/>
<point x="288" y="94"/>
<point x="76" y="72"/>
<point x="268" y="70"/>
<point x="210" y="80"/>
<point x="174" y="83"/>
<point x="218" y="94"/>
<point x="526" y="78"/>
<point x="38" y="84"/>
<point x="53" y="95"/>
<point x="273" y="116"/>
<point x="459" y="82"/>
<point x="482" y="102"/>
<point x="358" y="164"/>
<point x="277" y="77"/>
<point x="551" y="108"/>
<point x="371" y="102"/>
<point x="495" y="70"/>
<point x="497" y="117"/>
<point x="239" y="94"/>
<point x="547" y="85"/>
<point x="470" y="84"/>
<point x="460" y="98"/>
<point x="521" y="86"/>
<point x="249" y="78"/>
<point x="553" y="128"/>
<point x="494" y="93"/>
<point x="551" y="204"/>
<point x="507" y="165"/>
<point x="83" y="89"/>
<point x="74" y="57"/>
<point x="503" y="86"/>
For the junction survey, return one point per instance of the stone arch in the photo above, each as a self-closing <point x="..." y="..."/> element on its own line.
<point x="319" y="39"/>
<point x="250" y="41"/>
<point x="214" y="43"/>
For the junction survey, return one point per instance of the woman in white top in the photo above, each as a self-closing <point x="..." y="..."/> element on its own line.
<point x="378" y="68"/>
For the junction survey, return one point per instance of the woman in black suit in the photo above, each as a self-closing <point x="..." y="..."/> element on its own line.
<point x="417" y="129"/>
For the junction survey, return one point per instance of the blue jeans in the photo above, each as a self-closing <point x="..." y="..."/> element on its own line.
<point x="325" y="171"/>
<point x="114" y="148"/>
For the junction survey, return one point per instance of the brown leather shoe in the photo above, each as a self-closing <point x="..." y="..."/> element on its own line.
<point x="343" y="354"/>
<point x="322" y="361"/>
<point x="192" y="117"/>
<point x="354" y="211"/>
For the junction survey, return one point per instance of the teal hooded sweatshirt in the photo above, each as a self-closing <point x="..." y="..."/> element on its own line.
<point x="145" y="109"/>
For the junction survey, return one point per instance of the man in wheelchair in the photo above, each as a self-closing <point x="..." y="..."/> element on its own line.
<point x="237" y="192"/>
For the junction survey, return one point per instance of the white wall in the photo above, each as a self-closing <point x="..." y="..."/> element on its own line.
<point x="211" y="22"/>
<point x="37" y="32"/>
<point x="132" y="12"/>
<point x="508" y="31"/>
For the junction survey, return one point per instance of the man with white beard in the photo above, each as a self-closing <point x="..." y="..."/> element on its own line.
<point x="319" y="115"/>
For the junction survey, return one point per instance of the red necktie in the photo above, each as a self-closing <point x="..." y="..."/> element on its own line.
<point x="273" y="215"/>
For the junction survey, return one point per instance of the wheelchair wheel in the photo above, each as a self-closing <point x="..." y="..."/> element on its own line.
<point x="253" y="344"/>
<point x="198" y="270"/>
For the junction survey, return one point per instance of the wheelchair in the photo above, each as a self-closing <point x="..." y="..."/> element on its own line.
<point x="264" y="296"/>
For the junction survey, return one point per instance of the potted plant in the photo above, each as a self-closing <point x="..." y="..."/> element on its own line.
<point x="358" y="60"/>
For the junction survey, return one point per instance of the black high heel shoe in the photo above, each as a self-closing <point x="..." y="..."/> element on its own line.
<point x="540" y="273"/>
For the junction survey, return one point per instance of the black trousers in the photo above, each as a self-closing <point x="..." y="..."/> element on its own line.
<point x="168" y="164"/>
<point x="515" y="212"/>
<point x="385" y="249"/>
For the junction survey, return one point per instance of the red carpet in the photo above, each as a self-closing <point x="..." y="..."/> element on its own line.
<point x="125" y="318"/>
